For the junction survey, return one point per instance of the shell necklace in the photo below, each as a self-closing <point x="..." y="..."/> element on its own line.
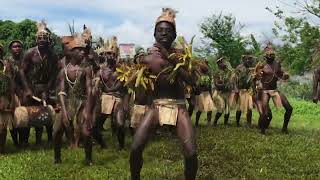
<point x="71" y="83"/>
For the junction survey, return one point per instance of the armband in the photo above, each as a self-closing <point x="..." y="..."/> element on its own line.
<point x="62" y="93"/>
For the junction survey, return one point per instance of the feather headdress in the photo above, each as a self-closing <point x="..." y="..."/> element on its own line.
<point x="75" y="41"/>
<point x="86" y="34"/>
<point x="42" y="29"/>
<point x="268" y="49"/>
<point x="111" y="45"/>
<point x="167" y="15"/>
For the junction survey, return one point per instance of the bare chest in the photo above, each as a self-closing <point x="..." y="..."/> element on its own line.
<point x="37" y="59"/>
<point x="73" y="73"/>
<point x="108" y="76"/>
<point x="157" y="64"/>
<point x="270" y="69"/>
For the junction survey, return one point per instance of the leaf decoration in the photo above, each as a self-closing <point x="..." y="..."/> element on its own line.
<point x="135" y="76"/>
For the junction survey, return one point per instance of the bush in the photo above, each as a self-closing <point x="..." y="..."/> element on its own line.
<point x="297" y="90"/>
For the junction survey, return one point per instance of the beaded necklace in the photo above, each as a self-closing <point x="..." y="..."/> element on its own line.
<point x="71" y="83"/>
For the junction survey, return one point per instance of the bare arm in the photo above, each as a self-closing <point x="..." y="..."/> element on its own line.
<point x="235" y="79"/>
<point x="282" y="74"/>
<point x="90" y="103"/>
<point x="89" y="77"/>
<point x="12" y="86"/>
<point x="24" y="67"/>
<point x="55" y="71"/>
<point x="316" y="79"/>
<point x="187" y="77"/>
<point x="62" y="94"/>
<point x="204" y="68"/>
<point x="114" y="88"/>
<point x="96" y="90"/>
<point x="190" y="78"/>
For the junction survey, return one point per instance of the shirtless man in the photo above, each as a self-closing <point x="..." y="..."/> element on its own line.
<point x="316" y="80"/>
<point x="39" y="69"/>
<point x="222" y="93"/>
<point x="204" y="102"/>
<point x="91" y="56"/>
<point x="112" y="94"/>
<point x="6" y="100"/>
<point x="76" y="100"/>
<point x="16" y="50"/>
<point x="244" y="84"/>
<point x="168" y="105"/>
<point x="142" y="99"/>
<point x="271" y="73"/>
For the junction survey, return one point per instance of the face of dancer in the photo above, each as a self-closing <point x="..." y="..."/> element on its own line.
<point x="102" y="58"/>
<point x="43" y="41"/>
<point x="165" y="34"/>
<point x="16" y="48"/>
<point x="222" y="65"/>
<point x="88" y="42"/>
<point x="270" y="57"/>
<point x="78" y="54"/>
<point x="248" y="62"/>
<point x="111" y="58"/>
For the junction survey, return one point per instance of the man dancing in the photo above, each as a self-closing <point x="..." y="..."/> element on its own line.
<point x="77" y="101"/>
<point x="6" y="100"/>
<point x="222" y="94"/>
<point x="142" y="99"/>
<point x="113" y="92"/>
<point x="16" y="50"/>
<point x="204" y="102"/>
<point x="316" y="80"/>
<point x="244" y="83"/>
<point x="270" y="74"/>
<point x="39" y="69"/>
<point x="168" y="106"/>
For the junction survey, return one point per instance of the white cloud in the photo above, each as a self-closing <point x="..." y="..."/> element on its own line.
<point x="130" y="32"/>
<point x="135" y="18"/>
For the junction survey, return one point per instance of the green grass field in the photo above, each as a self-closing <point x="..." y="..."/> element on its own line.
<point x="224" y="152"/>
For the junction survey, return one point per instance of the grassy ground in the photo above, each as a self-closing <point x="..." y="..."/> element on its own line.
<point x="224" y="152"/>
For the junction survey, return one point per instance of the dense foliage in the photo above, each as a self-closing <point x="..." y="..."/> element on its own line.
<point x="223" y="37"/>
<point x="25" y="31"/>
<point x="300" y="34"/>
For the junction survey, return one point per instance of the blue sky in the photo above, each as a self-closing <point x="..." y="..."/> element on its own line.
<point x="133" y="20"/>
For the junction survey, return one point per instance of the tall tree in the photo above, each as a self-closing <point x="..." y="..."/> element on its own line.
<point x="298" y="29"/>
<point x="24" y="31"/>
<point x="223" y="38"/>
